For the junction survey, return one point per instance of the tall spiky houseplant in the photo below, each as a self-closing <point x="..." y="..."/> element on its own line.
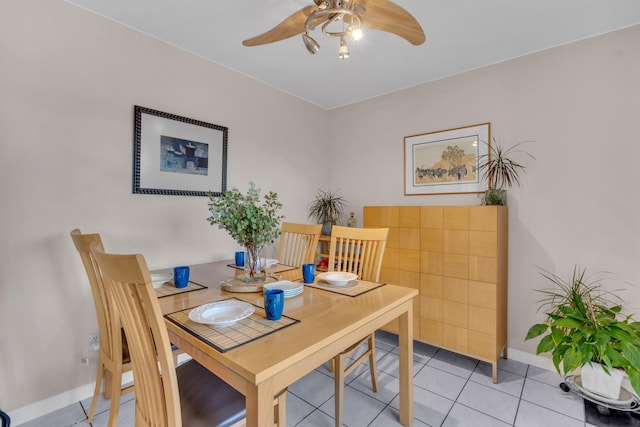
<point x="500" y="170"/>
<point x="326" y="208"/>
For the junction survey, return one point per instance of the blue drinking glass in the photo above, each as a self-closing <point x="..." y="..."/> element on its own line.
<point x="240" y="258"/>
<point x="273" y="303"/>
<point x="308" y="273"/>
<point x="181" y="276"/>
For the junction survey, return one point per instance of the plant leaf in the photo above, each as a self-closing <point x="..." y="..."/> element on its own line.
<point x="572" y="360"/>
<point x="567" y="323"/>
<point x="634" y="378"/>
<point x="558" y="335"/>
<point x="615" y="358"/>
<point x="546" y="344"/>
<point x="619" y="334"/>
<point x="601" y="338"/>
<point x="537" y="330"/>
<point x="631" y="353"/>
<point x="557" y="358"/>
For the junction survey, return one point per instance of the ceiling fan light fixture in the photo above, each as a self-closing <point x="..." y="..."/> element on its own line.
<point x="343" y="19"/>
<point x="355" y="33"/>
<point x="312" y="46"/>
<point x="343" y="51"/>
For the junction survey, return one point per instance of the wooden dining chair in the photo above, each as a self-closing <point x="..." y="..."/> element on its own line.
<point x="298" y="243"/>
<point x="113" y="358"/>
<point x="166" y="396"/>
<point x="4" y="417"/>
<point x="359" y="251"/>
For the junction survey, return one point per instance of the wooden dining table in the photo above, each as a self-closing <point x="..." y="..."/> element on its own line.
<point x="327" y="323"/>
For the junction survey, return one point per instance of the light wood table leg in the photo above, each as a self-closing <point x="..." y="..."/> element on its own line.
<point x="338" y="373"/>
<point x="259" y="402"/>
<point x="406" y="366"/>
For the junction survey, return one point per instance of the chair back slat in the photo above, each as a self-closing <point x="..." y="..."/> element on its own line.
<point x="298" y="243"/>
<point x="107" y="315"/>
<point x="128" y="286"/>
<point x="358" y="250"/>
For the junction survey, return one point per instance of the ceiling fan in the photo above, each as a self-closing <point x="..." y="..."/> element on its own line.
<point x="343" y="19"/>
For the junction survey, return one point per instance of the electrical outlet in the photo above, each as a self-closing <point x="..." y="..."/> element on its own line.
<point x="94" y="342"/>
<point x="84" y="361"/>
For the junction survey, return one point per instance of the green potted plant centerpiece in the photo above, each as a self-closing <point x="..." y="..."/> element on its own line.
<point x="326" y="208"/>
<point x="500" y="171"/>
<point x="585" y="328"/>
<point x="250" y="222"/>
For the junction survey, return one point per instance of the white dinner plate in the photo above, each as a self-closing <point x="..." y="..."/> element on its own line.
<point x="221" y="313"/>
<point x="270" y="262"/>
<point x="337" y="278"/>
<point x="159" y="279"/>
<point x="624" y="399"/>
<point x="292" y="294"/>
<point x="290" y="289"/>
<point x="285" y="285"/>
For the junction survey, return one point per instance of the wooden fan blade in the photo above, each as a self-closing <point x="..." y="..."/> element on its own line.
<point x="291" y="26"/>
<point x="385" y="15"/>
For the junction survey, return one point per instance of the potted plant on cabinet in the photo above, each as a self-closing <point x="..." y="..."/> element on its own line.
<point x="585" y="329"/>
<point x="326" y="208"/>
<point x="251" y="223"/>
<point x="500" y="170"/>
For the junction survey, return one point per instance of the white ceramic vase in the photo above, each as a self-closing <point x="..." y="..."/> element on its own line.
<point x="597" y="380"/>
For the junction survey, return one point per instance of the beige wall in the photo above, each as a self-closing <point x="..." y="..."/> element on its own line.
<point x="68" y="82"/>
<point x="579" y="203"/>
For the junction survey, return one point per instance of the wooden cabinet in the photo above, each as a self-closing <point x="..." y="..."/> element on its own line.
<point x="456" y="256"/>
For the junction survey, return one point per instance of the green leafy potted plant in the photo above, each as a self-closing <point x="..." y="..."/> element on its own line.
<point x="586" y="329"/>
<point x="250" y="222"/>
<point x="500" y="170"/>
<point x="326" y="208"/>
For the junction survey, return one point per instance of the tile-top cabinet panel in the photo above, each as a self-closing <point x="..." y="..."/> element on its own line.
<point x="456" y="256"/>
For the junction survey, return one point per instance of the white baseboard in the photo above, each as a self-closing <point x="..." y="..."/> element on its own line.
<point x="64" y="399"/>
<point x="530" y="359"/>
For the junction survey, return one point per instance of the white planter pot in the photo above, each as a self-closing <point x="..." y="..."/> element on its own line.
<point x="596" y="380"/>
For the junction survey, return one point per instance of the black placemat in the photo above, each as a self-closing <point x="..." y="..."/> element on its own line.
<point x="227" y="338"/>
<point x="351" y="289"/>
<point x="169" y="289"/>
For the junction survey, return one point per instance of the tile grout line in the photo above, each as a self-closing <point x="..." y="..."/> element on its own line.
<point x="461" y="389"/>
<point x="526" y="374"/>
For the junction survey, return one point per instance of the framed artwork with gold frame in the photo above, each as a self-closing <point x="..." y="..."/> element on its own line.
<point x="446" y="161"/>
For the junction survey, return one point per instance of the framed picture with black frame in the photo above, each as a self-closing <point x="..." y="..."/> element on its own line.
<point x="178" y="156"/>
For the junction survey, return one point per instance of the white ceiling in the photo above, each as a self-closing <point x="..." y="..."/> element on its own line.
<point x="461" y="35"/>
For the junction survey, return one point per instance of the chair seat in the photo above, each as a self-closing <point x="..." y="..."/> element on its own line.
<point x="205" y="399"/>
